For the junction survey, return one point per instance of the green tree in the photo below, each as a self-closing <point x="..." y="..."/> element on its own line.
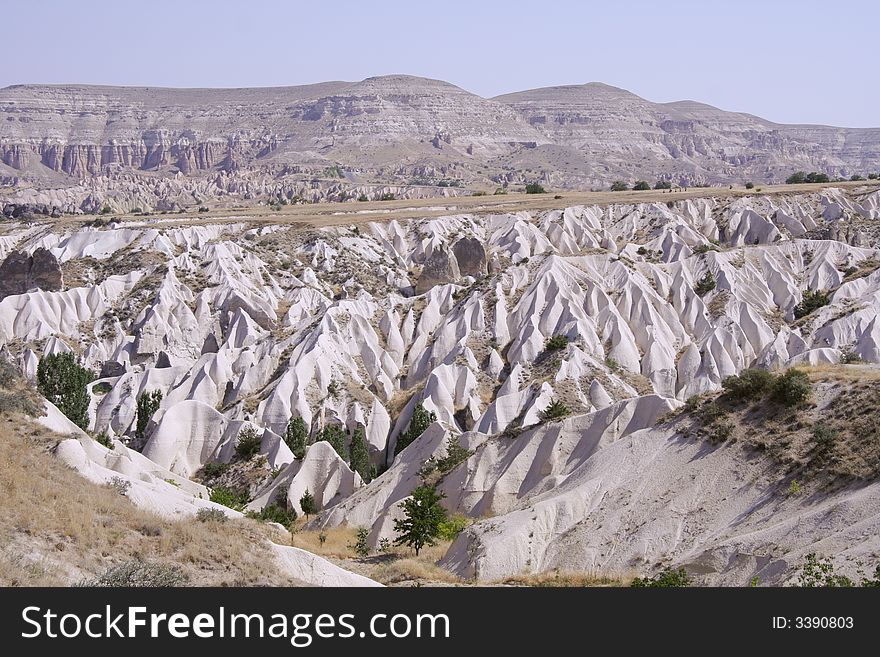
<point x="619" y="186"/>
<point x="641" y="186"/>
<point x="62" y="380"/>
<point x="792" y="387"/>
<point x="422" y="519"/>
<point x="361" y="547"/>
<point x="147" y="405"/>
<point x="359" y="454"/>
<point x="535" y="188"/>
<point x="295" y="436"/>
<point x="663" y="184"/>
<point x="797" y="178"/>
<point x="555" y="411"/>
<point x="335" y="435"/>
<point x="811" y="300"/>
<point x="421" y="420"/>
<point x="455" y="454"/>
<point x="307" y="504"/>
<point x="556" y="342"/>
<point x="248" y="444"/>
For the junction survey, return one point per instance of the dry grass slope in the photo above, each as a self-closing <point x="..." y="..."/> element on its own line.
<point x="57" y="528"/>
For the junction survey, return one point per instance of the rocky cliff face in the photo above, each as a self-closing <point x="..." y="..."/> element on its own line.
<point x="395" y="129"/>
<point x="21" y="272"/>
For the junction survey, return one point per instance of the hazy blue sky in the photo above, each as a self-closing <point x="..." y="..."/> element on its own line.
<point x="787" y="61"/>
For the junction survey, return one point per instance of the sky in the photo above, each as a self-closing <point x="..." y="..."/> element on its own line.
<point x="787" y="61"/>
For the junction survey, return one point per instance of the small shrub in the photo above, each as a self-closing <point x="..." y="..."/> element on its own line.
<point x="275" y="512"/>
<point x="794" y="488"/>
<point x="535" y="188"/>
<point x="101" y="388"/>
<point x="455" y="454"/>
<point x="214" y="469"/>
<point x="669" y="578"/>
<point x="362" y="198"/>
<point x="750" y="384"/>
<point x="248" y="444"/>
<point x="750" y="185"/>
<point x="619" y="186"/>
<point x="705" y="285"/>
<point x="387" y="196"/>
<point x="809" y="302"/>
<point x="819" y="573"/>
<point x="556" y="343"/>
<point x="556" y="410"/>
<point x="106" y="210"/>
<point x="824" y="440"/>
<point x="453" y="526"/>
<point x="119" y="485"/>
<point x="211" y="515"/>
<point x="849" y="357"/>
<point x="322" y="537"/>
<point x="104" y="440"/>
<point x="721" y="433"/>
<point x="641" y="186"/>
<point x="361" y="548"/>
<point x="792" y="388"/>
<point x="202" y="208"/>
<point x="384" y="546"/>
<point x="138" y="574"/>
<point x="612" y="364"/>
<point x="236" y="500"/>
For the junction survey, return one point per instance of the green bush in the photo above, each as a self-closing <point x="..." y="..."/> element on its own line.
<point x="106" y="210"/>
<point x="214" y="469"/>
<point x="362" y="198"/>
<point x="387" y="196"/>
<point x="274" y="512"/>
<point x="420" y="421"/>
<point x="619" y="186"/>
<point x="63" y="381"/>
<point x="819" y="572"/>
<point x="137" y="573"/>
<point x="234" y="499"/>
<point x="554" y="411"/>
<point x="706" y="284"/>
<point x="453" y="526"/>
<point x="455" y="454"/>
<point x="824" y="440"/>
<point x="792" y="388"/>
<point x="535" y="188"/>
<point x="799" y="177"/>
<point x="119" y="485"/>
<point x="750" y="185"/>
<point x="810" y="301"/>
<point x="104" y="440"/>
<point x="750" y="384"/>
<point x="248" y="444"/>
<point x="669" y="578"/>
<point x="556" y="343"/>
<point x="663" y="184"/>
<point x="641" y="186"/>
<point x="856" y="177"/>
<point x="211" y="515"/>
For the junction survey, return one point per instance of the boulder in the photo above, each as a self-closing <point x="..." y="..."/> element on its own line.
<point x="471" y="257"/>
<point x="441" y="267"/>
<point x="20" y="272"/>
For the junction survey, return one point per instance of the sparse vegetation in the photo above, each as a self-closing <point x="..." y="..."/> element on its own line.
<point x="556" y="343"/>
<point x="119" y="485"/>
<point x="211" y="515"/>
<point x="63" y="381"/>
<point x="234" y="499"/>
<point x="811" y="300"/>
<point x="706" y="284"/>
<point x="137" y="573"/>
<point x="455" y="454"/>
<point x="555" y="410"/>
<point x="668" y="578"/>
